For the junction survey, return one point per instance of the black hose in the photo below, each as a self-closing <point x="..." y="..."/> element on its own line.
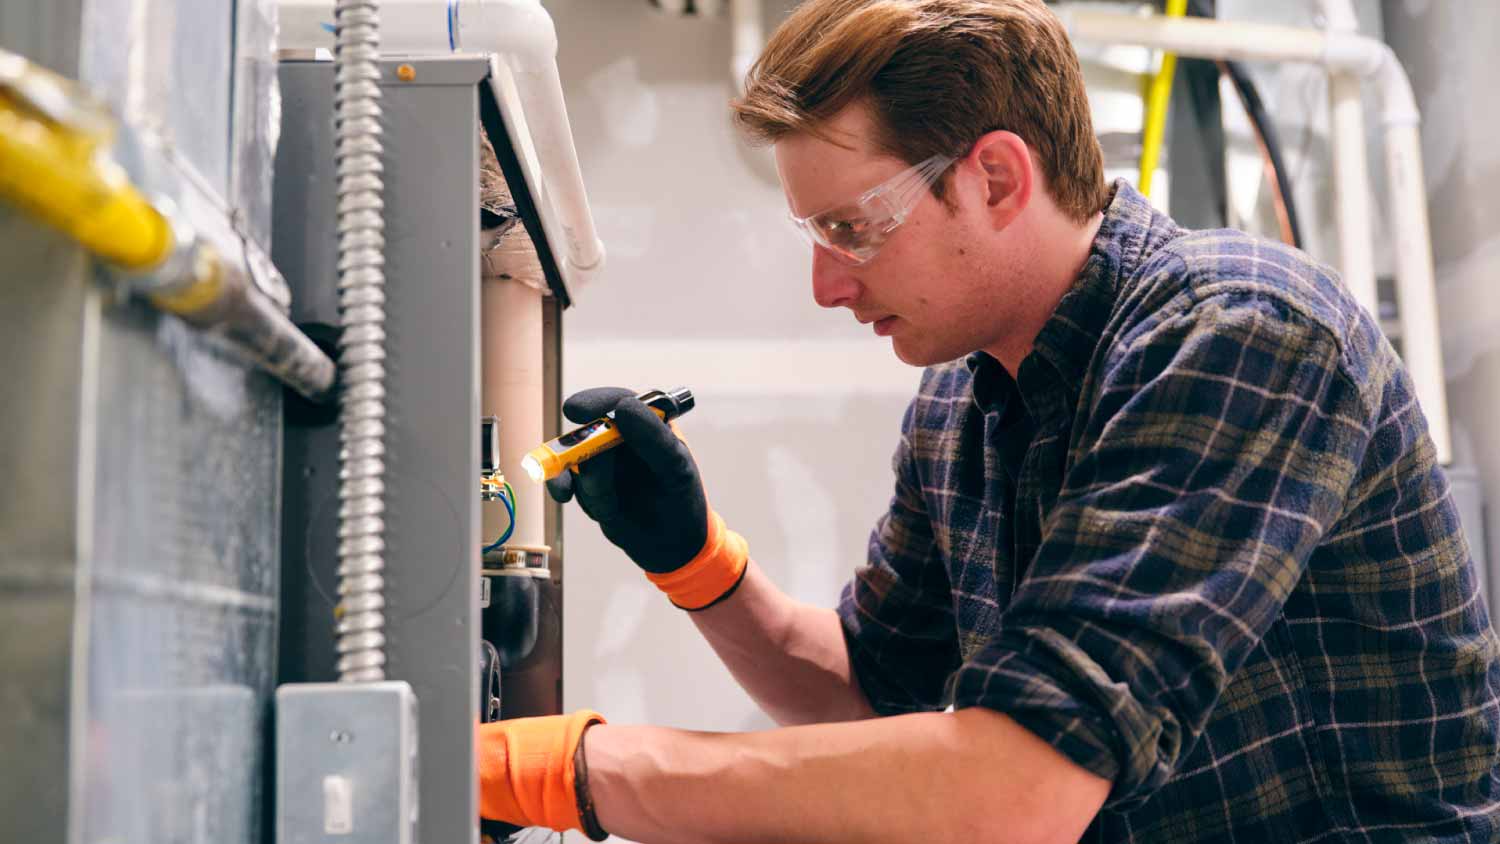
<point x="1256" y="110"/>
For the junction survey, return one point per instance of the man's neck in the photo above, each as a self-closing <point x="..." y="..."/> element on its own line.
<point x="1063" y="247"/>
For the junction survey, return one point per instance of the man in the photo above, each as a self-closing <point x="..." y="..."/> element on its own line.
<point x="1168" y="534"/>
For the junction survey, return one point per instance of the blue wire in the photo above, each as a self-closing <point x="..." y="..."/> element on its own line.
<point x="510" y="510"/>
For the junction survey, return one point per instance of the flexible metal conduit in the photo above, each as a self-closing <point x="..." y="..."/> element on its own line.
<point x="361" y="227"/>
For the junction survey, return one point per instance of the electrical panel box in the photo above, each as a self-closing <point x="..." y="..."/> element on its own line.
<point x="432" y="452"/>
<point x="346" y="763"/>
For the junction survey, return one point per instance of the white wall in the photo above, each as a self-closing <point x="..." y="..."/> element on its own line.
<point x="707" y="286"/>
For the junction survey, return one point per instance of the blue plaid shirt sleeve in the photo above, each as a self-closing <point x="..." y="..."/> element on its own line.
<point x="1222" y="443"/>
<point x="897" y="612"/>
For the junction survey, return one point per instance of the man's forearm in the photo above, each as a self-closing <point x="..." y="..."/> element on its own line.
<point x="970" y="776"/>
<point x="789" y="656"/>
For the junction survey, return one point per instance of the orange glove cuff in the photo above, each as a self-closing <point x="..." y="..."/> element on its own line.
<point x="526" y="774"/>
<point x="712" y="574"/>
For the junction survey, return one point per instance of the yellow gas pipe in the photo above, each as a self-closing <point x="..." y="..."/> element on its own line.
<point x="54" y="165"/>
<point x="1157" y="95"/>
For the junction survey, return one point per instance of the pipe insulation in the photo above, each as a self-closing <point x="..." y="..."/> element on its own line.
<point x="361" y="266"/>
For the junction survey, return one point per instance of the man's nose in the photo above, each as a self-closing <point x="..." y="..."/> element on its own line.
<point x="834" y="286"/>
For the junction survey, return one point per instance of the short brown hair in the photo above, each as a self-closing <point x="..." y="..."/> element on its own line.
<point x="937" y="74"/>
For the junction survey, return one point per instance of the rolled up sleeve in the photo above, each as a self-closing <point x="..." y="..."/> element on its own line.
<point x="1219" y="450"/>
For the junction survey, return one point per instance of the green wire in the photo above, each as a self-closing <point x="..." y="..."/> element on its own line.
<point x="509" y="500"/>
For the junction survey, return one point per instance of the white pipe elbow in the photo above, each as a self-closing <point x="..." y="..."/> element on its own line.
<point x="1339" y="15"/>
<point x="1376" y="61"/>
<point x="522" y="35"/>
<point x="1399" y="103"/>
<point x="518" y="28"/>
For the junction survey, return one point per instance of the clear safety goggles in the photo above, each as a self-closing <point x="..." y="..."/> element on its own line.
<point x="855" y="231"/>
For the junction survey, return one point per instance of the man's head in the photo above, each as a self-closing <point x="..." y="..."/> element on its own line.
<point x="854" y="92"/>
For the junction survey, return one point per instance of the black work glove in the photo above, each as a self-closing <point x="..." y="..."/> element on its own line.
<point x="645" y="493"/>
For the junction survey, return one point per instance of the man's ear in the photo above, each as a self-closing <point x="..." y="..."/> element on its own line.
<point x="1005" y="162"/>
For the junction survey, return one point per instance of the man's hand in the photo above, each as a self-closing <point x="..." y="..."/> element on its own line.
<point x="648" y="499"/>
<point x="527" y="773"/>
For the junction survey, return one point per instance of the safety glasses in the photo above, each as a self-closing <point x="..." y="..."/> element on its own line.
<point x="855" y="231"/>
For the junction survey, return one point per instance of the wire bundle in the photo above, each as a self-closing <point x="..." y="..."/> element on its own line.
<point x="1265" y="136"/>
<point x="505" y="494"/>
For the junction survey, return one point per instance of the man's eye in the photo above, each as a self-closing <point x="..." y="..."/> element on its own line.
<point x="847" y="228"/>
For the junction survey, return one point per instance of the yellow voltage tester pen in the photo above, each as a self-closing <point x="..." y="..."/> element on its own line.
<point x="549" y="459"/>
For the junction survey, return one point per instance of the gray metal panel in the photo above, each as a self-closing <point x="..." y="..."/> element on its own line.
<point x="42" y="300"/>
<point x="138" y="545"/>
<point x="182" y="579"/>
<point x="138" y="563"/>
<point x="256" y="117"/>
<point x="45" y="31"/>
<point x="137" y="551"/>
<point x="432" y="440"/>
<point x="167" y="65"/>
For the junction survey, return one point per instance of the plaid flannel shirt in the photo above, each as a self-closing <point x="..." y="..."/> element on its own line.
<point x="1202" y="546"/>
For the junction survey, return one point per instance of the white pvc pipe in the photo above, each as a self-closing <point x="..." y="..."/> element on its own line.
<point x="1214" y="39"/>
<point x="1416" y="283"/>
<point x="521" y="32"/>
<point x="1351" y="166"/>
<point x="1342" y="53"/>
<point x="523" y="40"/>
<point x="1197" y="37"/>
<point x="1416" y="279"/>
<point x="407" y="26"/>
<point x="1351" y="184"/>
<point x="748" y="39"/>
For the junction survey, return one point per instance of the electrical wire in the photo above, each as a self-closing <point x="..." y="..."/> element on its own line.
<point x="1270" y="144"/>
<point x="508" y="499"/>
